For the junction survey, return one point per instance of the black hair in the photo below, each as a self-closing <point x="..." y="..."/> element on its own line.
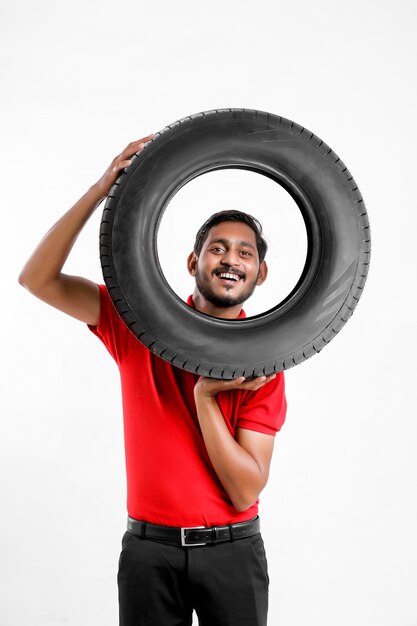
<point x="232" y="215"/>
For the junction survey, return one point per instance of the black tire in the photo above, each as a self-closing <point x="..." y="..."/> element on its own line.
<point x="337" y="231"/>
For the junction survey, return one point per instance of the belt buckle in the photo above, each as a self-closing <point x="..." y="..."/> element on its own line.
<point x="184" y="538"/>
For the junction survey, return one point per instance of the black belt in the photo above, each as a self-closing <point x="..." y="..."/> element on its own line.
<point x="194" y="535"/>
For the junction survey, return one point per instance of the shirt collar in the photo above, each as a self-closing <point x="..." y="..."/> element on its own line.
<point x="190" y="302"/>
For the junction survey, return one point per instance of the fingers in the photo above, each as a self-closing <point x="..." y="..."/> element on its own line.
<point x="242" y="383"/>
<point x="123" y="164"/>
<point x="210" y="387"/>
<point x="255" y="383"/>
<point x="135" y="146"/>
<point x="119" y="163"/>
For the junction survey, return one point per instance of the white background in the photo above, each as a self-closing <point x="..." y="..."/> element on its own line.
<point x="79" y="81"/>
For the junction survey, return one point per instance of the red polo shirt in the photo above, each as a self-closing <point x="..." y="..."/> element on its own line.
<point x="170" y="478"/>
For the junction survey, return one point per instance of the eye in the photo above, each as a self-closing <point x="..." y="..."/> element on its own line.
<point x="216" y="249"/>
<point x="246" y="253"/>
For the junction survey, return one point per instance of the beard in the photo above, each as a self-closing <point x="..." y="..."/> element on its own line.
<point x="223" y="301"/>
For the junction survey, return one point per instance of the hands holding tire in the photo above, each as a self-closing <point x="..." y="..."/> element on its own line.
<point x="210" y="387"/>
<point x="105" y="183"/>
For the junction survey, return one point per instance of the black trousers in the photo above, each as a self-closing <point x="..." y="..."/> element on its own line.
<point x="225" y="583"/>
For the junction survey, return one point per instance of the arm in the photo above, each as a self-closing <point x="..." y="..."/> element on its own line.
<point x="241" y="464"/>
<point x="42" y="274"/>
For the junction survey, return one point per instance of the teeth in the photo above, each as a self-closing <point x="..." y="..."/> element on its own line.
<point x="229" y="276"/>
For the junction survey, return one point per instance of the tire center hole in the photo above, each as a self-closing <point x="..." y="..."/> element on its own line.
<point x="247" y="191"/>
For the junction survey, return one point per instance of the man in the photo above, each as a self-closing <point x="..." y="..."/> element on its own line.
<point x="198" y="450"/>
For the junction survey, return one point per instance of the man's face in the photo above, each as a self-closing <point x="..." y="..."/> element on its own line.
<point x="227" y="269"/>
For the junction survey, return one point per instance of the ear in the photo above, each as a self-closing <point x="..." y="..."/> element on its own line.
<point x="263" y="273"/>
<point x="192" y="263"/>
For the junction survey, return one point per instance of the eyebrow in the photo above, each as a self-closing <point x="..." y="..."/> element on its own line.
<point x="226" y="242"/>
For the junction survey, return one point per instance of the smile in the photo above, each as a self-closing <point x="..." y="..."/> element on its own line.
<point x="228" y="276"/>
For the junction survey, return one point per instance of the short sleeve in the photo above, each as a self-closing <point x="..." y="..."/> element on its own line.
<point x="111" y="329"/>
<point x="264" y="410"/>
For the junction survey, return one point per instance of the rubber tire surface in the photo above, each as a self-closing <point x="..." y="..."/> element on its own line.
<point x="337" y="232"/>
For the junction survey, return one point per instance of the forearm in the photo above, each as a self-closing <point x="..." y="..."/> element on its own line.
<point x="48" y="259"/>
<point x="236" y="469"/>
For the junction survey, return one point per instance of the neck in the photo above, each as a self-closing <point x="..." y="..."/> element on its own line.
<point x="207" y="307"/>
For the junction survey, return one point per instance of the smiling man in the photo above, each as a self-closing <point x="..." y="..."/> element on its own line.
<point x="198" y="450"/>
<point x="227" y="263"/>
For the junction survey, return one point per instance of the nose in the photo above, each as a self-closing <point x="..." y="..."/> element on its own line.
<point x="231" y="258"/>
